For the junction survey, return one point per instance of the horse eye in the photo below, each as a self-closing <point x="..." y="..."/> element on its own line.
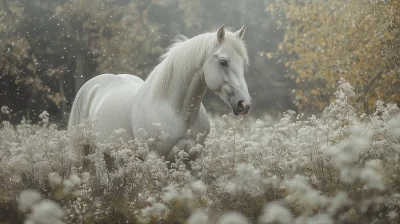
<point x="223" y="63"/>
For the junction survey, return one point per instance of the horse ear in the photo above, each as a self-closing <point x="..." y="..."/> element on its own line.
<point x="221" y="34"/>
<point x="240" y="32"/>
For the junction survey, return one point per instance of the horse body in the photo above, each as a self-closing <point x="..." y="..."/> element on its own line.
<point x="171" y="96"/>
<point x="123" y="102"/>
<point x="105" y="98"/>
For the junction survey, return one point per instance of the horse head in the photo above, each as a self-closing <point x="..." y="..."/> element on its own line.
<point x="224" y="70"/>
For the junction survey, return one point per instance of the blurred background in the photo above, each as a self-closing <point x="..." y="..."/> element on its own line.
<point x="298" y="49"/>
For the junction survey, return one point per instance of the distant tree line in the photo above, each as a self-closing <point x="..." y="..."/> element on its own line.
<point x="49" y="48"/>
<point x="298" y="49"/>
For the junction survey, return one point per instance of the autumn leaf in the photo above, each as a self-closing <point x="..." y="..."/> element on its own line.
<point x="334" y="39"/>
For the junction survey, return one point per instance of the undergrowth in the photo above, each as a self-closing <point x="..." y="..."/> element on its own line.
<point x="339" y="167"/>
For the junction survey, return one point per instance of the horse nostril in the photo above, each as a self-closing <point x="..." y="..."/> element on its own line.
<point x="240" y="105"/>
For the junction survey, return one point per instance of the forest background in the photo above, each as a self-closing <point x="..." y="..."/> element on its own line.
<point x="298" y="49"/>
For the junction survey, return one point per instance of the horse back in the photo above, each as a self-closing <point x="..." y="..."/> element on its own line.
<point x="98" y="90"/>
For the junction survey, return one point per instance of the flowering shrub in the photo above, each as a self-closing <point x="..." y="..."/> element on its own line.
<point x="339" y="167"/>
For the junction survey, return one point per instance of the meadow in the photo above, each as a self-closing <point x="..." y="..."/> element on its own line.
<point x="338" y="167"/>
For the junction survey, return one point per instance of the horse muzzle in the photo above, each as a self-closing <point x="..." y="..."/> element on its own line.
<point x="241" y="107"/>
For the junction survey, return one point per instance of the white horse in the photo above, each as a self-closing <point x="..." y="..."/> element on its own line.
<point x="172" y="94"/>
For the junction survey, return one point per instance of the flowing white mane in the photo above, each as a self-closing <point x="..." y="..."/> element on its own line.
<point x="185" y="56"/>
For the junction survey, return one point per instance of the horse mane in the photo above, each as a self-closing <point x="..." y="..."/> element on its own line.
<point x="185" y="56"/>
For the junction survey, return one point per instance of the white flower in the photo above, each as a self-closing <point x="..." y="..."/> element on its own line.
<point x="247" y="179"/>
<point x="338" y="202"/>
<point x="394" y="125"/>
<point x="372" y="178"/>
<point x="198" y="217"/>
<point x="276" y="213"/>
<point x="156" y="125"/>
<point x="198" y="187"/>
<point x="54" y="179"/>
<point x="45" y="117"/>
<point x="164" y="135"/>
<point x="70" y="183"/>
<point x="46" y="212"/>
<point x="300" y="192"/>
<point x="143" y="132"/>
<point x="171" y="194"/>
<point x="320" y="219"/>
<point x="27" y="199"/>
<point x="152" y="210"/>
<point x="5" y="110"/>
<point x="233" y="218"/>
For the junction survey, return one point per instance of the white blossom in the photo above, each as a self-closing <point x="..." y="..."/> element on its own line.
<point x="276" y="213"/>
<point x="198" y="217"/>
<point x="28" y="199"/>
<point x="46" y="212"/>
<point x="233" y="218"/>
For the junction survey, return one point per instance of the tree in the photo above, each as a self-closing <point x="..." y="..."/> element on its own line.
<point x="22" y="81"/>
<point x="136" y="45"/>
<point x="47" y="47"/>
<point x="115" y="34"/>
<point x="355" y="40"/>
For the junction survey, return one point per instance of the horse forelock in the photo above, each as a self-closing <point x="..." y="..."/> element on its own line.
<point x="185" y="56"/>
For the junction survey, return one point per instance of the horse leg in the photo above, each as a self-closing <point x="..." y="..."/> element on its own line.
<point x="87" y="165"/>
<point x="110" y="162"/>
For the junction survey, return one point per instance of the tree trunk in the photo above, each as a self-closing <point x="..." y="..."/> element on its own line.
<point x="63" y="97"/>
<point x="79" y="63"/>
<point x="79" y="59"/>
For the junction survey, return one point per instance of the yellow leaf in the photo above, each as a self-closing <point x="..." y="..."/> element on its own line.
<point x="315" y="91"/>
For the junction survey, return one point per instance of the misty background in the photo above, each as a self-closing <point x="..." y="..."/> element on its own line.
<point x="50" y="48"/>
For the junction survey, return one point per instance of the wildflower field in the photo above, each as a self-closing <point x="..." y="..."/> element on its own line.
<point x="337" y="167"/>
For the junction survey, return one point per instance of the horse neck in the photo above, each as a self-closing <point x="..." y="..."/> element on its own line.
<point x="182" y="85"/>
<point x="185" y="94"/>
<point x="190" y="96"/>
